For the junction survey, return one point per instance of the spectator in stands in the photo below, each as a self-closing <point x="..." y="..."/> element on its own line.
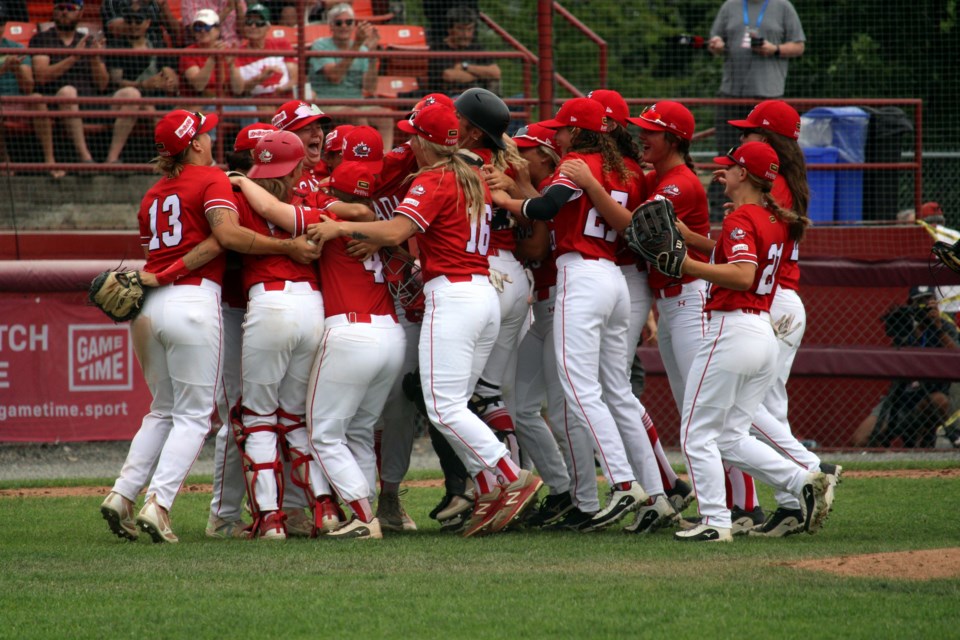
<point x="164" y="27"/>
<point x="229" y="12"/>
<point x="435" y="12"/>
<point x="912" y="409"/>
<point x="151" y="75"/>
<point x="462" y="71"/>
<point x="288" y="15"/>
<point x="349" y="78"/>
<point x="256" y="77"/>
<point x="70" y="76"/>
<point x="16" y="79"/>
<point x="756" y="39"/>
<point x="203" y="76"/>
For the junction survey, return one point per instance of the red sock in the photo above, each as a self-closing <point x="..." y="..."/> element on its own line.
<point x="362" y="509"/>
<point x="509" y="469"/>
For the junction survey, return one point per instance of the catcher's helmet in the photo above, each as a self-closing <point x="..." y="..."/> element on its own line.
<point x="487" y="112"/>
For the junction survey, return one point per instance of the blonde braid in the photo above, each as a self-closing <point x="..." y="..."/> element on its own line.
<point x="468" y="179"/>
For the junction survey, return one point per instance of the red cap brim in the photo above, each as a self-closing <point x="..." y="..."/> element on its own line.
<point x="553" y="124"/>
<point x="742" y="124"/>
<point x="646" y="124"/>
<point x="407" y="127"/>
<point x="210" y="121"/>
<point x="724" y="161"/>
<point x="274" y="169"/>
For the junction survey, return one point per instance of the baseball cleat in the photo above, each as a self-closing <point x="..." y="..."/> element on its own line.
<point x="742" y="521"/>
<point x="704" y="533"/>
<point x="118" y="512"/>
<point x="154" y="520"/>
<point x="514" y="499"/>
<point x="326" y="515"/>
<point x="816" y="500"/>
<point x="217" y="527"/>
<point x="680" y="496"/>
<point x="783" y="522"/>
<point x="299" y="523"/>
<point x="551" y="509"/>
<point x="391" y="515"/>
<point x="572" y="520"/>
<point x="456" y="506"/>
<point x="652" y="515"/>
<point x="622" y="501"/>
<point x="357" y="529"/>
<point x="271" y="526"/>
<point x="484" y="511"/>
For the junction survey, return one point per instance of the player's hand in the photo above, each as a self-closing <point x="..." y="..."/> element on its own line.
<point x="578" y="171"/>
<point x="719" y="176"/>
<point x="304" y="250"/>
<point x="324" y="230"/>
<point x="497" y="179"/>
<point x="500" y="198"/>
<point x="148" y="279"/>
<point x="361" y="250"/>
<point x="684" y="230"/>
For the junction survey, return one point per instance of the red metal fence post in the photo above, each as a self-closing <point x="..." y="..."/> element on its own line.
<point x="545" y="52"/>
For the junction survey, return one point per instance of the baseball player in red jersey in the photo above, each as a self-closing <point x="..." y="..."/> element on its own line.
<point x="305" y="120"/>
<point x="281" y="334"/>
<point x="635" y="272"/>
<point x="449" y="204"/>
<point x="483" y="119"/>
<point x="177" y="336"/>
<point x="592" y="316"/>
<point x="737" y="360"/>
<point x="536" y="372"/>
<point x="229" y="488"/>
<point x="778" y="124"/>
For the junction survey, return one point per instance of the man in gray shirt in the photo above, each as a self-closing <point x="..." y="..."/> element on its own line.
<point x="756" y="38"/>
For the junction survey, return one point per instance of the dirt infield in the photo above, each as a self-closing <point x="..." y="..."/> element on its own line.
<point x="930" y="564"/>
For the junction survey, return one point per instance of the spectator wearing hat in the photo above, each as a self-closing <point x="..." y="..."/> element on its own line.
<point x="16" y="79"/>
<point x="229" y="12"/>
<point x="266" y="77"/>
<point x="202" y="76"/>
<point x="463" y="69"/>
<point x="117" y="15"/>
<point x="349" y="78"/>
<point x="71" y="76"/>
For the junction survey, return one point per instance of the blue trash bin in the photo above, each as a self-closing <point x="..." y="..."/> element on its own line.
<point x="846" y="128"/>
<point x="822" y="183"/>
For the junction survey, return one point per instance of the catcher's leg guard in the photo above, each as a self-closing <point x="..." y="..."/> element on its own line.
<point x="295" y="451"/>
<point x="252" y="469"/>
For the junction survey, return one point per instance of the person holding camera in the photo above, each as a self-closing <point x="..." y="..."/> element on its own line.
<point x="756" y="39"/>
<point x="912" y="409"/>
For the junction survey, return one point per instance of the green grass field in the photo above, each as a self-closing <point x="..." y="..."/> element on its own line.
<point x="64" y="575"/>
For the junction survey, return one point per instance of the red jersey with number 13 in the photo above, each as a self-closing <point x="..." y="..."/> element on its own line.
<point x="450" y="245"/>
<point x="173" y="218"/>
<point x="749" y="234"/>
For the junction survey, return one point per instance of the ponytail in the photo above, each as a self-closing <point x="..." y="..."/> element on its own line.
<point x="468" y="179"/>
<point x="796" y="224"/>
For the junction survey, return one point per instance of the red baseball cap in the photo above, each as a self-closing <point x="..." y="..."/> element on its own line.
<point x="758" y="158"/>
<point x="276" y="155"/>
<point x="772" y="115"/>
<point x="251" y="134"/>
<point x="536" y="135"/>
<point x="436" y="122"/>
<point x="930" y="210"/>
<point x="667" y="116"/>
<point x="616" y="106"/>
<point x="354" y="177"/>
<point x="296" y="114"/>
<point x="177" y="129"/>
<point x="364" y="144"/>
<point x="333" y="143"/>
<point x="429" y="99"/>
<point x="580" y="112"/>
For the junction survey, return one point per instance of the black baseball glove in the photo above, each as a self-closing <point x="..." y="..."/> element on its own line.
<point x="947" y="254"/>
<point x="653" y="234"/>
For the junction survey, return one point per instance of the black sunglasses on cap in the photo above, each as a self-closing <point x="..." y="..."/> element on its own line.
<point x="256" y="23"/>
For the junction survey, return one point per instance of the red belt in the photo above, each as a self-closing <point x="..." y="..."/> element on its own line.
<point x="543" y="294"/>
<point x="280" y="285"/>
<point x="364" y="318"/>
<point x="668" y="292"/>
<point x="460" y="278"/>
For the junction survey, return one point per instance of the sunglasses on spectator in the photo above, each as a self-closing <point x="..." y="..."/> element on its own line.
<point x="67" y="7"/>
<point x="201" y="26"/>
<point x="256" y="23"/>
<point x="341" y="23"/>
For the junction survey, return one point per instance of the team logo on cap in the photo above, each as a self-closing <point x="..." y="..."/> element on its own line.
<point x="186" y="128"/>
<point x="265" y="157"/>
<point x="279" y="119"/>
<point x="363" y="184"/>
<point x="361" y="150"/>
<point x="737" y="234"/>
